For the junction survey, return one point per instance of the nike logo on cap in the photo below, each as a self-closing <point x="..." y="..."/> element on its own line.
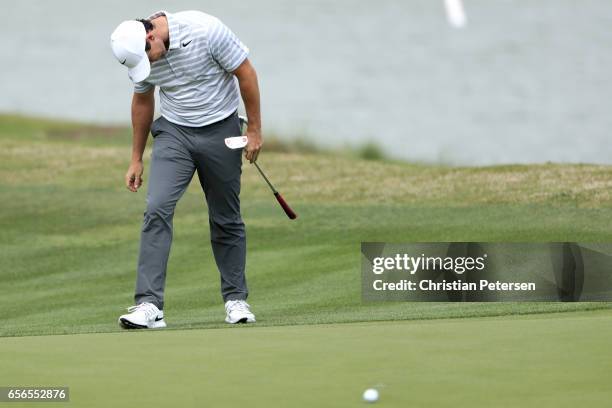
<point x="187" y="43"/>
<point x="124" y="61"/>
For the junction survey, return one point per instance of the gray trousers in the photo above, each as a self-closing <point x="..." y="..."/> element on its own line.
<point x="178" y="152"/>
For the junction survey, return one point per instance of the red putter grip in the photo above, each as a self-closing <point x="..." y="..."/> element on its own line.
<point x="285" y="206"/>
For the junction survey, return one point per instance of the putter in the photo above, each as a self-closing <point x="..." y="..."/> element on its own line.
<point x="290" y="213"/>
<point x="239" y="142"/>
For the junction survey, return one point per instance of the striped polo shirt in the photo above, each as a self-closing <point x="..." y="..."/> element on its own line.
<point x="195" y="80"/>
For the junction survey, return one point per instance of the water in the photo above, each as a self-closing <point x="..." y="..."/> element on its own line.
<point x="524" y="82"/>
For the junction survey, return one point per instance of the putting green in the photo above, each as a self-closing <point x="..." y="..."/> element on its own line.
<point x="561" y="360"/>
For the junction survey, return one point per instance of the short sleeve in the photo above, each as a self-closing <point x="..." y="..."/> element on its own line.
<point x="225" y="47"/>
<point x="142" y="87"/>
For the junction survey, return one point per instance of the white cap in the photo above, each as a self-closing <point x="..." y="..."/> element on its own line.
<point x="128" y="43"/>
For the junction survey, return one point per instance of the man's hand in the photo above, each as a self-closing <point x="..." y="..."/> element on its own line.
<point x="255" y="141"/>
<point x="143" y="105"/>
<point x="249" y="89"/>
<point x="133" y="177"/>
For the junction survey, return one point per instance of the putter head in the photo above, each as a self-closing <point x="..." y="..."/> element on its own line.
<point x="236" y="142"/>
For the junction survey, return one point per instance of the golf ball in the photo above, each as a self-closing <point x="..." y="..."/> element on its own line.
<point x="370" y="395"/>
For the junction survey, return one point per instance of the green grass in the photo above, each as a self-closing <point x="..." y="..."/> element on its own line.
<point x="69" y="246"/>
<point x="535" y="361"/>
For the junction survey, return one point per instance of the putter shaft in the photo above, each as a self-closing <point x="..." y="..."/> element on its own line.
<point x="265" y="178"/>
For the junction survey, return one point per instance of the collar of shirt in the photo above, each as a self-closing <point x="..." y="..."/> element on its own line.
<point x="173" y="28"/>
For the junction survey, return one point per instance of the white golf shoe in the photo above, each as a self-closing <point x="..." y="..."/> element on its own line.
<point x="143" y="316"/>
<point x="238" y="311"/>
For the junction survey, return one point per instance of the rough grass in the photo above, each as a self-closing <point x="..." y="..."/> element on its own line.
<point x="70" y="230"/>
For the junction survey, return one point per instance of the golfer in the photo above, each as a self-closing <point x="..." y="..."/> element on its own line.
<point x="195" y="60"/>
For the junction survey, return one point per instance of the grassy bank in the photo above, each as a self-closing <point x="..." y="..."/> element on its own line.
<point x="71" y="230"/>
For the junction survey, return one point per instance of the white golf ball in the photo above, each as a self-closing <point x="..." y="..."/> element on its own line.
<point x="370" y="395"/>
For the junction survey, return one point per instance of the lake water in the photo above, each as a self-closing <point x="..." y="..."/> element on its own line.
<point x="525" y="81"/>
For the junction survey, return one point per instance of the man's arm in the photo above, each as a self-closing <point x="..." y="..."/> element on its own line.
<point x="249" y="89"/>
<point x="143" y="105"/>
